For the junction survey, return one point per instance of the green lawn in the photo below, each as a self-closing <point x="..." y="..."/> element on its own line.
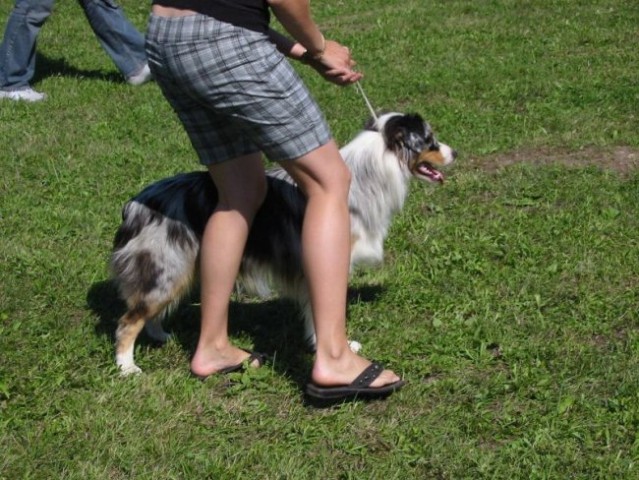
<point x="508" y="298"/>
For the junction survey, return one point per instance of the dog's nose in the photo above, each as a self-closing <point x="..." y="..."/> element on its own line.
<point x="454" y="153"/>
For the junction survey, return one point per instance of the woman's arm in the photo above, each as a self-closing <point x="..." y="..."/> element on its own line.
<point x="332" y="60"/>
<point x="285" y="45"/>
<point x="295" y="16"/>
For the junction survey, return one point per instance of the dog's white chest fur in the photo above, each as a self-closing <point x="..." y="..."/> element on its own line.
<point x="374" y="199"/>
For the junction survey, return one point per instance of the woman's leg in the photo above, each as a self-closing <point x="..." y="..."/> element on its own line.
<point x="325" y="180"/>
<point x="241" y="186"/>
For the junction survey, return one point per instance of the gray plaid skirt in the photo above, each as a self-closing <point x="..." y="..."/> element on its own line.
<point x="233" y="91"/>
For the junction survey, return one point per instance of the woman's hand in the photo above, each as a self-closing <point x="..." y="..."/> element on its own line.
<point x="335" y="64"/>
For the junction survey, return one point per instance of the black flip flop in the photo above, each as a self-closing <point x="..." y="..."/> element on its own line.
<point x="359" y="388"/>
<point x="253" y="356"/>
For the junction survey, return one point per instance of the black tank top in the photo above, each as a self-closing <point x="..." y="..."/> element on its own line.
<point x="251" y="14"/>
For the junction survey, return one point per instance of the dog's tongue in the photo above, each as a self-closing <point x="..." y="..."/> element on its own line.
<point x="430" y="172"/>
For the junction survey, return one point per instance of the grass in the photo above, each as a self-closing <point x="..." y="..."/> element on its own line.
<point x="508" y="298"/>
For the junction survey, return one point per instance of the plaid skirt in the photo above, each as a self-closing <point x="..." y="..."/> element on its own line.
<point x="233" y="91"/>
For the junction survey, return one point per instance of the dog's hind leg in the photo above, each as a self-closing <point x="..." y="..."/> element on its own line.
<point x="129" y="327"/>
<point x="154" y="330"/>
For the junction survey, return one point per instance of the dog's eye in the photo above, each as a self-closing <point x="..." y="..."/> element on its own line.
<point x="431" y="142"/>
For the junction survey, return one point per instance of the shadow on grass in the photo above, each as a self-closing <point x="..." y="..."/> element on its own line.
<point x="273" y="326"/>
<point x="53" y="67"/>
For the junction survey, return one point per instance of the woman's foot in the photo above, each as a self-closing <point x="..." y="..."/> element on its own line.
<point x="209" y="361"/>
<point x="333" y="371"/>
<point x="334" y="381"/>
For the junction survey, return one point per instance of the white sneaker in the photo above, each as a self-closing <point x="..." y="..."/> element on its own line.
<point x="143" y="76"/>
<point x="27" y="94"/>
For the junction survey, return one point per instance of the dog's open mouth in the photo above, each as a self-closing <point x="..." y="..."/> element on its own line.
<point x="428" y="172"/>
<point x="425" y="166"/>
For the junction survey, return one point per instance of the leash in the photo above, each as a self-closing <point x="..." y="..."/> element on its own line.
<point x="368" y="103"/>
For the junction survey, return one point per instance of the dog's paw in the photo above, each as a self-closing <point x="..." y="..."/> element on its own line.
<point x="355" y="346"/>
<point x="126" y="370"/>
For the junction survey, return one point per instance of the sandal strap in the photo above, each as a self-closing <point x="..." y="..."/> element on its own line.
<point x="260" y="357"/>
<point x="253" y="356"/>
<point x="368" y="376"/>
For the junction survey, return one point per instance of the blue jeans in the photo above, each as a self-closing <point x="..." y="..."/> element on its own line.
<point x="116" y="34"/>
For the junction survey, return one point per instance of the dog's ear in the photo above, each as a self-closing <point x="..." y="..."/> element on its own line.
<point x="402" y="139"/>
<point x="411" y="132"/>
<point x="414" y="141"/>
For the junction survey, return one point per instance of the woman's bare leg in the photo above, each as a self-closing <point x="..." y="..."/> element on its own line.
<point x="325" y="180"/>
<point x="241" y="186"/>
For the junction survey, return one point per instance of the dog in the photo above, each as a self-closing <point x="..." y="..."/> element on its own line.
<point x="154" y="262"/>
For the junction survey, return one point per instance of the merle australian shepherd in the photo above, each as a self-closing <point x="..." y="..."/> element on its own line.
<point x="155" y="256"/>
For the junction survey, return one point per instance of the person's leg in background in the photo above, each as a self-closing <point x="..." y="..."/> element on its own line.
<point x="18" y="49"/>
<point x="119" y="38"/>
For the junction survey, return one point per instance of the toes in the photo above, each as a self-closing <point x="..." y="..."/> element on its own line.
<point x="385" y="378"/>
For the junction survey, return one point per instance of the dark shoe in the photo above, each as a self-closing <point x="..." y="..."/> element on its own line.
<point x="359" y="388"/>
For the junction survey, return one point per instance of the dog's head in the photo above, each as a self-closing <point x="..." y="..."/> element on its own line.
<point x="413" y="142"/>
